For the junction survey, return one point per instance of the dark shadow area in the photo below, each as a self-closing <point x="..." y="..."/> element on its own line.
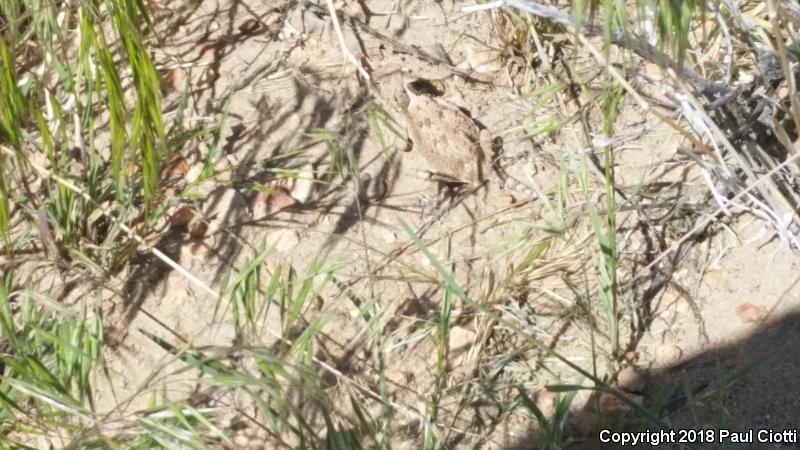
<point x="147" y="275"/>
<point x="752" y="384"/>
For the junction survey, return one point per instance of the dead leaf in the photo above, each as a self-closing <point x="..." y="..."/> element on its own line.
<point x="172" y="79"/>
<point x="750" y="313"/>
<point x="175" y="168"/>
<point x="276" y="197"/>
<point x="180" y="215"/>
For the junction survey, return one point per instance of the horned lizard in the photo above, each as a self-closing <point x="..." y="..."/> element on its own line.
<point x="448" y="138"/>
<point x="458" y="150"/>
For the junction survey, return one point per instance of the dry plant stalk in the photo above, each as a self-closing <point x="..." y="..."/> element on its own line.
<point x="342" y="44"/>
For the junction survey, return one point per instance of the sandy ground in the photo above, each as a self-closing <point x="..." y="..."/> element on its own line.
<point x="281" y="67"/>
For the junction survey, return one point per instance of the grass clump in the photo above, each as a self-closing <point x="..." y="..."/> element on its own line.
<point x="81" y="107"/>
<point x="49" y="362"/>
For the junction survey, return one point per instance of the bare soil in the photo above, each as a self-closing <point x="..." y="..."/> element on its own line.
<point x="280" y="66"/>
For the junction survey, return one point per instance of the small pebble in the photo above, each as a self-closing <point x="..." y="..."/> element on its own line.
<point x="241" y="440"/>
<point x="750" y="313"/>
<point x="194" y="172"/>
<point x="388" y="235"/>
<point x="631" y="356"/>
<point x="668" y="354"/>
<point x="304" y="185"/>
<point x="197" y="227"/>
<point x="630" y="380"/>
<point x="222" y="165"/>
<point x="199" y="249"/>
